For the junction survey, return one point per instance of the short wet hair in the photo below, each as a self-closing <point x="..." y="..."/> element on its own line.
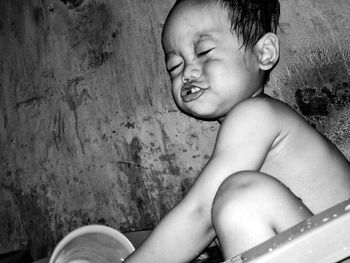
<point x="250" y="19"/>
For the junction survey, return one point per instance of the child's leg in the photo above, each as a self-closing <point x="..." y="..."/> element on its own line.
<point x="251" y="207"/>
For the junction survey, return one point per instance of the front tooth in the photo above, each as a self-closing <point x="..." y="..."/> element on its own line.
<point x="193" y="90"/>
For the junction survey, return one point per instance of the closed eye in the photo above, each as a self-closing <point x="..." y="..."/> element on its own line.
<point x="203" y="53"/>
<point x="171" y="69"/>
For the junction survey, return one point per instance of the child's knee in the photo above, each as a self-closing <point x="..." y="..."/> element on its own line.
<point x="248" y="197"/>
<point x="242" y="196"/>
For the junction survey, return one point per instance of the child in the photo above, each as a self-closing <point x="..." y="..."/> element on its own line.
<point x="269" y="169"/>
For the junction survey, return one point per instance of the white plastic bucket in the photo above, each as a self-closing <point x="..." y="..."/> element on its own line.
<point x="92" y="244"/>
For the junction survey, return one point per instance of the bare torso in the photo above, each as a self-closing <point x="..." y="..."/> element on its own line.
<point x="259" y="134"/>
<point x="306" y="162"/>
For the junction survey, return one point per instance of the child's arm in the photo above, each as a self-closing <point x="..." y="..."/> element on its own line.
<point x="243" y="142"/>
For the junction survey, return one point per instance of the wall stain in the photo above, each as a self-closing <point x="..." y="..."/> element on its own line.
<point x="318" y="88"/>
<point x="135" y="149"/>
<point x="74" y="100"/>
<point x="72" y="3"/>
<point x="29" y="101"/>
<point x="319" y="102"/>
<point x="58" y="129"/>
<point x="312" y="102"/>
<point x="142" y="202"/>
<point x="34" y="209"/>
<point x="186" y="184"/>
<point x="38" y="15"/>
<point x="97" y="57"/>
<point x="117" y="31"/>
<point x="91" y="33"/>
<point x="129" y="125"/>
<point x="170" y="158"/>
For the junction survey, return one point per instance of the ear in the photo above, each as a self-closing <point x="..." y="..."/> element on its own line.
<point x="267" y="51"/>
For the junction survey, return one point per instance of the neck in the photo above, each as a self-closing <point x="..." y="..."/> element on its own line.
<point x="259" y="93"/>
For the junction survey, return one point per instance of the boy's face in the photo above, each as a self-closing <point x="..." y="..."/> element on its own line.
<point x="210" y="72"/>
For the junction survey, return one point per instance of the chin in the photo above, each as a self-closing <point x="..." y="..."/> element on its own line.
<point x="205" y="116"/>
<point x="207" y="112"/>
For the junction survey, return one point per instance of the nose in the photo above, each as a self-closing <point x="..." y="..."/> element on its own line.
<point x="191" y="71"/>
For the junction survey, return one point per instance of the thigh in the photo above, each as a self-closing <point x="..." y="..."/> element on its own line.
<point x="251" y="207"/>
<point x="260" y="193"/>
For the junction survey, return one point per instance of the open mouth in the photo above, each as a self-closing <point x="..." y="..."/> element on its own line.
<point x="191" y="92"/>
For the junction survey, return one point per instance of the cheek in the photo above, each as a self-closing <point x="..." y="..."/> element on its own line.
<point x="175" y="88"/>
<point x="217" y="71"/>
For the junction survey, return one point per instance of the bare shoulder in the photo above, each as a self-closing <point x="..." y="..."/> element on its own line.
<point x="250" y="129"/>
<point x="262" y="121"/>
<point x="266" y="110"/>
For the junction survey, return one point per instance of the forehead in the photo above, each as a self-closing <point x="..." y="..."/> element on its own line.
<point x="193" y="18"/>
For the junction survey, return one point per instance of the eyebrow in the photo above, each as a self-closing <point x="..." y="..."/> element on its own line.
<point x="201" y="37"/>
<point x="204" y="37"/>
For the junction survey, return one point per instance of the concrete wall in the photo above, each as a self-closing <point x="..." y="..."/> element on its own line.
<point x="88" y="129"/>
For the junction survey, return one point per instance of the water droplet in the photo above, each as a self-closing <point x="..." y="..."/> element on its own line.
<point x="335" y="215"/>
<point x="325" y="219"/>
<point x="347" y="208"/>
<point x="236" y="259"/>
<point x="270" y="249"/>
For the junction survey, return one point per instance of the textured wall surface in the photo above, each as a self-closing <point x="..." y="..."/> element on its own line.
<point x="88" y="129"/>
<point x="314" y="72"/>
